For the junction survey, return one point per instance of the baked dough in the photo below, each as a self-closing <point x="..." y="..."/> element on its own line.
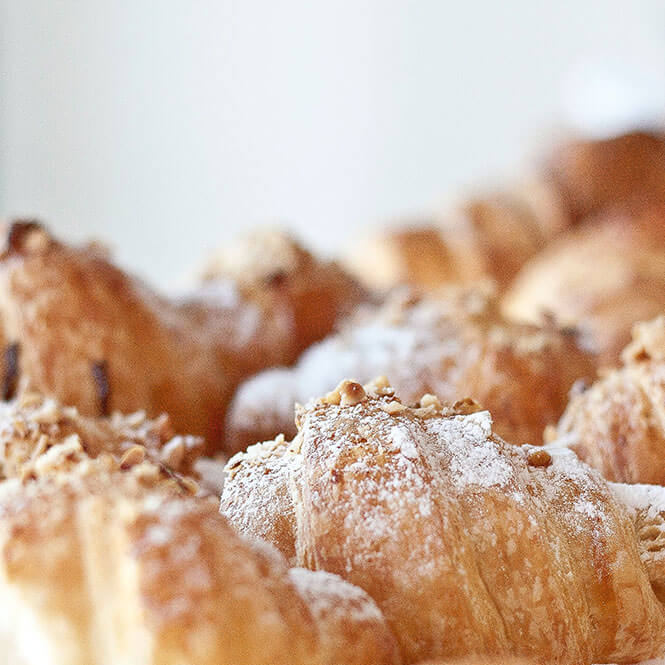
<point x="115" y="560"/>
<point x="617" y="425"/>
<point x="602" y="277"/>
<point x="453" y="343"/>
<point x="86" y="333"/>
<point x="467" y="543"/>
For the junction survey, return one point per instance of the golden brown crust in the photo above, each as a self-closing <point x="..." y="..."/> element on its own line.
<point x="468" y="544"/>
<point x="126" y="566"/>
<point x="617" y="425"/>
<point x="597" y="175"/>
<point x="452" y="344"/>
<point x="93" y="337"/>
<point x="603" y="277"/>
<point x="311" y="295"/>
<point x="486" y="237"/>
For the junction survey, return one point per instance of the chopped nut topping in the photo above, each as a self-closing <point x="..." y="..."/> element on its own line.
<point x="380" y="386"/>
<point x="539" y="457"/>
<point x="428" y="400"/>
<point x="173" y="453"/>
<point x="333" y="397"/>
<point x="393" y="407"/>
<point x="48" y="414"/>
<point x="135" y="455"/>
<point x="467" y="406"/>
<point x="352" y="393"/>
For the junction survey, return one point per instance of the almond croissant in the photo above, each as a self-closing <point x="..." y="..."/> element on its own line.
<point x="83" y="331"/>
<point x="468" y="544"/>
<point x="617" y="425"/>
<point x="602" y="277"/>
<point x="115" y="561"/>
<point x="450" y="343"/>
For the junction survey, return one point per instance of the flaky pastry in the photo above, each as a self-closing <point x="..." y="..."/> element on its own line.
<point x="468" y="544"/>
<point x="88" y="334"/>
<point x="602" y="277"/>
<point x="453" y="344"/>
<point x="311" y="294"/>
<point x="484" y="237"/>
<point x="593" y="176"/>
<point x="617" y="425"/>
<point x="117" y="560"/>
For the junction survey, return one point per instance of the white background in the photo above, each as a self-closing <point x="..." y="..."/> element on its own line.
<point x="166" y="127"/>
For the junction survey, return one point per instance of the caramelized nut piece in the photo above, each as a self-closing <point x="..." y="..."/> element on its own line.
<point x="539" y="457"/>
<point x="351" y="393"/>
<point x="393" y="407"/>
<point x="134" y="455"/>
<point x="467" y="406"/>
<point x="333" y="397"/>
<point x="428" y="400"/>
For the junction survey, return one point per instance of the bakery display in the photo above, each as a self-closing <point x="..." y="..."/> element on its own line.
<point x="454" y="343"/>
<point x="488" y="504"/>
<point x="467" y="543"/>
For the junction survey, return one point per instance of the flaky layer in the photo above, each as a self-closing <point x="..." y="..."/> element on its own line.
<point x="617" y="425"/>
<point x="468" y="544"/>
<point x="453" y="344"/>
<point x="83" y="331"/>
<point x="603" y="278"/>
<point x="103" y="565"/>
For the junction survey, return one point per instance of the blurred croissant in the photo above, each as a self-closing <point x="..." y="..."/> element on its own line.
<point x="451" y="343"/>
<point x="484" y="237"/>
<point x="81" y="330"/>
<point x="593" y="176"/>
<point x="617" y="424"/>
<point x="468" y="544"/>
<point x="602" y="277"/>
<point x="111" y="559"/>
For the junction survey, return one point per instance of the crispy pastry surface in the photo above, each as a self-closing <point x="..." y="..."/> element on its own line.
<point x="597" y="175"/>
<point x="617" y="425"/>
<point x="104" y="565"/>
<point x="602" y="277"/>
<point x="93" y="337"/>
<point x="453" y="344"/>
<point x="484" y="237"/>
<point x="305" y="295"/>
<point x="468" y="544"/>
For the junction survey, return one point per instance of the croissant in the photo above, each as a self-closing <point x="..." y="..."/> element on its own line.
<point x="452" y="343"/>
<point x="93" y="337"/>
<point x="484" y="237"/>
<point x="617" y="425"/>
<point x="567" y="281"/>
<point x="468" y="544"/>
<point x="312" y="293"/>
<point x="117" y="560"/>
<point x="593" y="176"/>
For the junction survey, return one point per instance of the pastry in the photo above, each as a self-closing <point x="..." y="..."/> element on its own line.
<point x="117" y="560"/>
<point x="485" y="237"/>
<point x="617" y="424"/>
<point x="453" y="343"/>
<point x="91" y="336"/>
<point x="602" y="277"/>
<point x="309" y="295"/>
<point x="467" y="543"/>
<point x="593" y="176"/>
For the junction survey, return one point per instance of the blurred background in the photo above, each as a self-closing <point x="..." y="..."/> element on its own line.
<point x="163" y="128"/>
